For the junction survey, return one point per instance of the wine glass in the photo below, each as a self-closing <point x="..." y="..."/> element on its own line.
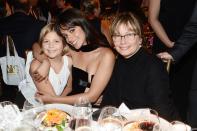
<point x="110" y="119"/>
<point x="148" y="119"/>
<point x="27" y="105"/>
<point x="31" y="113"/>
<point x="82" y="114"/>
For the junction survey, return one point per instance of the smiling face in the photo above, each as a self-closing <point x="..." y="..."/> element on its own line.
<point x="74" y="36"/>
<point x="126" y="41"/>
<point x="52" y="45"/>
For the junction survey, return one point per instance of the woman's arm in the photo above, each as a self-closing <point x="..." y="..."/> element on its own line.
<point x="44" y="85"/>
<point x="98" y="84"/>
<point x="40" y="73"/>
<point x="68" y="87"/>
<point x="153" y="18"/>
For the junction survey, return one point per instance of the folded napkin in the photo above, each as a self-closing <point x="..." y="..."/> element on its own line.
<point x="134" y="114"/>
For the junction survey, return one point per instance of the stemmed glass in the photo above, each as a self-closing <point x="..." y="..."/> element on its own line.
<point x="149" y="120"/>
<point x="82" y="114"/>
<point x="27" y="105"/>
<point x="30" y="113"/>
<point x="110" y="119"/>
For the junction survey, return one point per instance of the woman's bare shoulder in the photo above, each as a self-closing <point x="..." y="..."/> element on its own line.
<point x="69" y="58"/>
<point x="107" y="52"/>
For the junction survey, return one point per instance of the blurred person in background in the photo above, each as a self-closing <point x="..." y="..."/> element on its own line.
<point x="24" y="30"/>
<point x="40" y="10"/>
<point x="167" y="19"/>
<point x="185" y="42"/>
<point x="91" y="9"/>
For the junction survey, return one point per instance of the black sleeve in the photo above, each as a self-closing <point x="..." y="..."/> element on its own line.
<point x="187" y="39"/>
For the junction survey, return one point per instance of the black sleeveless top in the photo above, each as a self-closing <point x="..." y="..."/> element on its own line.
<point x="79" y="80"/>
<point x="80" y="77"/>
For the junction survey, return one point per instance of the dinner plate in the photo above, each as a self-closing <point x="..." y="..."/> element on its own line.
<point x="63" y="107"/>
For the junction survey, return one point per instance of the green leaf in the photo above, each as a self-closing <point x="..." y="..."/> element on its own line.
<point x="63" y="123"/>
<point x="59" y="128"/>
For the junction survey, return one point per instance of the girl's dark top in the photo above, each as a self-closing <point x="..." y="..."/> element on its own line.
<point x="140" y="81"/>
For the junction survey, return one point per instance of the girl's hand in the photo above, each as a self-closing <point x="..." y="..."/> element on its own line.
<point x="44" y="97"/>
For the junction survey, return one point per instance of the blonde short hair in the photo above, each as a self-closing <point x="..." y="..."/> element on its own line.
<point x="127" y="18"/>
<point x="47" y="29"/>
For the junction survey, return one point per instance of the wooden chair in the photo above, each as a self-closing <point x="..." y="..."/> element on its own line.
<point x="168" y="64"/>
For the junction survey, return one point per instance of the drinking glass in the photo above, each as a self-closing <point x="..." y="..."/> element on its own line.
<point x="11" y="114"/>
<point x="82" y="114"/>
<point x="110" y="119"/>
<point x="32" y="113"/>
<point x="147" y="120"/>
<point x="27" y="105"/>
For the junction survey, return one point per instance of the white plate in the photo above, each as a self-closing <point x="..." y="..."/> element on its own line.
<point x="63" y="107"/>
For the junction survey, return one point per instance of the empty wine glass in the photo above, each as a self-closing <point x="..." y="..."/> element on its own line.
<point x="31" y="111"/>
<point x="110" y="119"/>
<point x="27" y="105"/>
<point x="81" y="115"/>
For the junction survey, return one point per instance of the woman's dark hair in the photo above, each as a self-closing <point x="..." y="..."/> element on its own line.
<point x="73" y="17"/>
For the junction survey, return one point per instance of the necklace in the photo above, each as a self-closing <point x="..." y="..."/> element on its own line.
<point x="59" y="79"/>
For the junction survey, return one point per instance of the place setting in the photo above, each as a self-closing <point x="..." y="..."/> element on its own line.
<point x="82" y="117"/>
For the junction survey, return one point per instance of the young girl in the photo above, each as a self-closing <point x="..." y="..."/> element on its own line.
<point x="58" y="80"/>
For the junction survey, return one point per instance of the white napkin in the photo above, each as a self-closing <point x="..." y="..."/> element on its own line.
<point x="11" y="116"/>
<point x="134" y="114"/>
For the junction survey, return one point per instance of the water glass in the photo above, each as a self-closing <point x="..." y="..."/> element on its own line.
<point x="110" y="119"/>
<point x="82" y="114"/>
<point x="27" y="105"/>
